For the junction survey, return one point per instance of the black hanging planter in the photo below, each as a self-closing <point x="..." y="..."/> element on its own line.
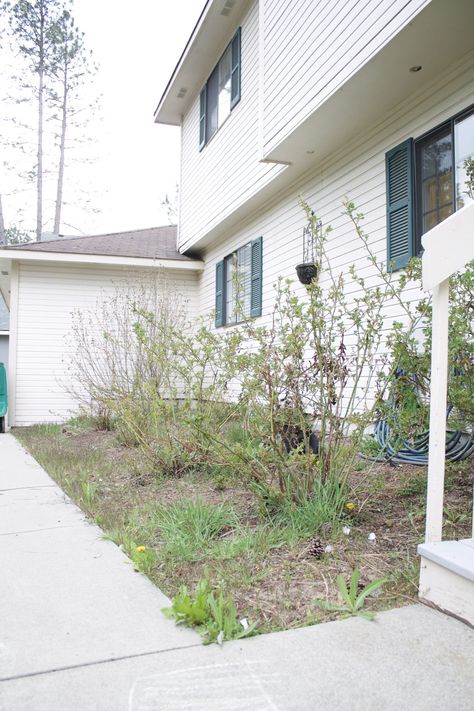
<point x="307" y="273"/>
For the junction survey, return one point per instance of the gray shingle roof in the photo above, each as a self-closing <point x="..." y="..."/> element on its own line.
<point x="150" y="243"/>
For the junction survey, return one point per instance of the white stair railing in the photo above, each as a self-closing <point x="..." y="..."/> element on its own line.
<point x="448" y="248"/>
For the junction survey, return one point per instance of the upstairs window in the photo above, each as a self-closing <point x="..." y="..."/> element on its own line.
<point x="221" y="92"/>
<point x="239" y="284"/>
<point x="426" y="183"/>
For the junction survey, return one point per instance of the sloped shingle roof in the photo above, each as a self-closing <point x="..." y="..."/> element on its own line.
<point x="150" y="243"/>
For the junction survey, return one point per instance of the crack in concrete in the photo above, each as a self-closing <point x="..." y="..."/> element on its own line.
<point x="98" y="662"/>
<point x="24" y="488"/>
<point x="39" y="530"/>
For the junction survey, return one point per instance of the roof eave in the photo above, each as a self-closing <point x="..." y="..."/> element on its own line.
<point x="199" y="56"/>
<point x="106" y="260"/>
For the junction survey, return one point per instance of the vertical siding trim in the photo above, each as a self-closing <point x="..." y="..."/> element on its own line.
<point x="12" y="345"/>
<point x="202" y="117"/>
<point x="261" y="78"/>
<point x="235" y="70"/>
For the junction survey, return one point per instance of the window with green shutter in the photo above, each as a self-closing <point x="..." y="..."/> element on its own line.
<point x="221" y="92"/>
<point x="426" y="183"/>
<point x="239" y="284"/>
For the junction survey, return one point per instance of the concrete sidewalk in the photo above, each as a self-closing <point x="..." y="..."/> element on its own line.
<point x="81" y="631"/>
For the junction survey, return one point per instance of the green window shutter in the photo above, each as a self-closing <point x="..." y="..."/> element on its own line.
<point x="400" y="212"/>
<point x="256" y="278"/>
<point x="219" y="294"/>
<point x="202" y="118"/>
<point x="235" y="75"/>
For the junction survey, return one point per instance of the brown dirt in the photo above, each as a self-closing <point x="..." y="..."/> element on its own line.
<point x="276" y="590"/>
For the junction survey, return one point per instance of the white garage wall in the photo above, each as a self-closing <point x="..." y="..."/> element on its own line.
<point x="47" y="296"/>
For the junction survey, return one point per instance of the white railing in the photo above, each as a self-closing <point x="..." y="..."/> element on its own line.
<point x="448" y="248"/>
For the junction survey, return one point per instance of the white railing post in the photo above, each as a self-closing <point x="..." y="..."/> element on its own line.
<point x="438" y="404"/>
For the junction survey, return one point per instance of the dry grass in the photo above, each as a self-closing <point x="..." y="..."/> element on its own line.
<point x="270" y="574"/>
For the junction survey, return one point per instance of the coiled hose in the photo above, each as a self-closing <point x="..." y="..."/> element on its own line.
<point x="459" y="445"/>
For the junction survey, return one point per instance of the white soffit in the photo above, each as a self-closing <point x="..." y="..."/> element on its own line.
<point x="215" y="27"/>
<point x="438" y="36"/>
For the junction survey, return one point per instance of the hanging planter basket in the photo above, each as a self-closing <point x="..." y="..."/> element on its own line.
<point x="308" y="270"/>
<point x="307" y="273"/>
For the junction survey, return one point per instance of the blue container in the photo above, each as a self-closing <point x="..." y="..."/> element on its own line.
<point x="3" y="397"/>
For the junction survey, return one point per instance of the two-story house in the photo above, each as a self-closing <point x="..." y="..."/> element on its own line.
<point x="367" y="99"/>
<point x="325" y="99"/>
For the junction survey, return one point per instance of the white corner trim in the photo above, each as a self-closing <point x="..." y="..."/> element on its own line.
<point x="34" y="256"/>
<point x="261" y="78"/>
<point x="12" y="344"/>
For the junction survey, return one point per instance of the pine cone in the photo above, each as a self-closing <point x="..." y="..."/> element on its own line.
<point x="316" y="548"/>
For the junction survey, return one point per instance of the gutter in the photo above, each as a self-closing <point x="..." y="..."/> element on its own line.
<point x="26" y="255"/>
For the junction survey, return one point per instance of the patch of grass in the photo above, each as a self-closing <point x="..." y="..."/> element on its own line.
<point x="323" y="511"/>
<point x="413" y="484"/>
<point x="187" y="527"/>
<point x="144" y="559"/>
<point x="89" y="490"/>
<point x="250" y="543"/>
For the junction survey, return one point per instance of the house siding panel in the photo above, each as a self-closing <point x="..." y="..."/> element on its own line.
<point x="306" y="61"/>
<point x="226" y="172"/>
<point x="48" y="294"/>
<point x="357" y="172"/>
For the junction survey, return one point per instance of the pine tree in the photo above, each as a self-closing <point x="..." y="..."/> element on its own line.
<point x="72" y="68"/>
<point x="35" y="30"/>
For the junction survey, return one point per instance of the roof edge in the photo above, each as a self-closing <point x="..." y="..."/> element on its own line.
<point x="184" y="53"/>
<point x="215" y="27"/>
<point x="105" y="260"/>
<point x="64" y="238"/>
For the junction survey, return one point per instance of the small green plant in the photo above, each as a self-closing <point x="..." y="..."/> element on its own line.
<point x="143" y="558"/>
<point x="413" y="484"/>
<point x="89" y="490"/>
<point x="453" y="517"/>
<point x="213" y="615"/>
<point x="353" y="598"/>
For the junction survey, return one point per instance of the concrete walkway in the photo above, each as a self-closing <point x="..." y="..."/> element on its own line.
<point x="81" y="631"/>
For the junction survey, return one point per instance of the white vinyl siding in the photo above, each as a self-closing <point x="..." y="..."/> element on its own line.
<point x="218" y="179"/>
<point x="4" y="349"/>
<point x="48" y="294"/>
<point x="356" y="172"/>
<point x="311" y="47"/>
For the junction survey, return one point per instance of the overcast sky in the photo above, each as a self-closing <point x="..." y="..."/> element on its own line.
<point x="137" y="46"/>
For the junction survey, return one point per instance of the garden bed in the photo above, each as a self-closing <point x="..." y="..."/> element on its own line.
<point x="175" y="529"/>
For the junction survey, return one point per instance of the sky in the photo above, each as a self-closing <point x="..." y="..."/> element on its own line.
<point x="136" y="45"/>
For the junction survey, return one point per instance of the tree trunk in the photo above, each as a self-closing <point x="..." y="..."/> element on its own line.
<point x="39" y="176"/>
<point x="62" y="145"/>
